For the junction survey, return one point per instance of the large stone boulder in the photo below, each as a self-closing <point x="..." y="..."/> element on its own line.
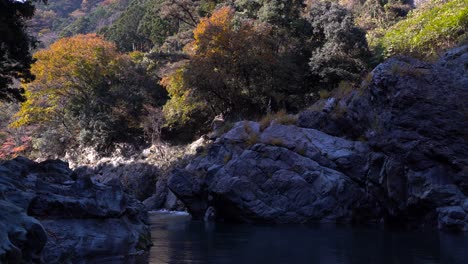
<point x="394" y="151"/>
<point x="51" y="215"/>
<point x="288" y="175"/>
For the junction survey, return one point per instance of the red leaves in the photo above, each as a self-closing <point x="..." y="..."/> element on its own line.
<point x="12" y="148"/>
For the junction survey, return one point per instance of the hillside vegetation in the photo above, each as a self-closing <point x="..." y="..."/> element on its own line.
<point x="137" y="71"/>
<point x="64" y="18"/>
<point x="438" y="25"/>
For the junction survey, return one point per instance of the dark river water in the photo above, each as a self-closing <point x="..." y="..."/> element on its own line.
<point x="178" y="240"/>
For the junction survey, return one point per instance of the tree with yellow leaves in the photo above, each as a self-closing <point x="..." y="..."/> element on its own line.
<point x="86" y="88"/>
<point x="68" y="71"/>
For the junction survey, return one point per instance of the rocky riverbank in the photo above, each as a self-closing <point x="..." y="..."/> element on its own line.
<point x="394" y="151"/>
<point x="51" y="215"/>
<point x="141" y="172"/>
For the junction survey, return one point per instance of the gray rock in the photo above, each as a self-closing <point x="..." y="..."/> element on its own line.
<point x="48" y="216"/>
<point x="137" y="178"/>
<point x="395" y="150"/>
<point x="210" y="214"/>
<point x="22" y="237"/>
<point x="277" y="183"/>
<point x="157" y="200"/>
<point x="172" y="203"/>
<point x="189" y="190"/>
<point x="465" y="205"/>
<point x="452" y="218"/>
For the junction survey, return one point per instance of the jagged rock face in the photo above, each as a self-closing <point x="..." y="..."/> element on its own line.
<point x="136" y="178"/>
<point x="394" y="151"/>
<point x="48" y="215"/>
<point x="413" y="116"/>
<point x="140" y="173"/>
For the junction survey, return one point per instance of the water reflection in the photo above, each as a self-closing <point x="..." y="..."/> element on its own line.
<point x="178" y="240"/>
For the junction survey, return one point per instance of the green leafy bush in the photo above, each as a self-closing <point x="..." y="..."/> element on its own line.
<point x="340" y="48"/>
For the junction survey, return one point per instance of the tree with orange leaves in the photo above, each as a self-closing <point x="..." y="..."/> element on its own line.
<point x="233" y="67"/>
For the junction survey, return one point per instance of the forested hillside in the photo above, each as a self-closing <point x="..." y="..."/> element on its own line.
<point x="65" y="18"/>
<point x="136" y="71"/>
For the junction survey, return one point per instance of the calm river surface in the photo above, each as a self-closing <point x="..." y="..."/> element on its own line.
<point x="178" y="240"/>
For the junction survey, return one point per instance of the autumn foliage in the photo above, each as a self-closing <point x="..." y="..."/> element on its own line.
<point x="68" y="70"/>
<point x="10" y="148"/>
<point x="88" y="92"/>
<point x="231" y="69"/>
<point x="189" y="61"/>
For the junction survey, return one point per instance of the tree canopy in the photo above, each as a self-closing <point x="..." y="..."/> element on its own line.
<point x="233" y="68"/>
<point x="86" y="87"/>
<point x="138" y="28"/>
<point x="340" y="48"/>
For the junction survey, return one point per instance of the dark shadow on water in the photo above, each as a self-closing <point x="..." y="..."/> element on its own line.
<point x="178" y="240"/>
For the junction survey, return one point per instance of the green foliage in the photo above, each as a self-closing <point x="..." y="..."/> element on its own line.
<point x="428" y="30"/>
<point x="340" y="48"/>
<point x="139" y="27"/>
<point x="291" y="33"/>
<point x="124" y="32"/>
<point x="207" y="7"/>
<point x="183" y="114"/>
<point x="51" y="142"/>
<point x="372" y="14"/>
<point x="276" y="12"/>
<point x="235" y="68"/>
<point x="256" y="57"/>
<point x="97" y="18"/>
<point x="152" y="24"/>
